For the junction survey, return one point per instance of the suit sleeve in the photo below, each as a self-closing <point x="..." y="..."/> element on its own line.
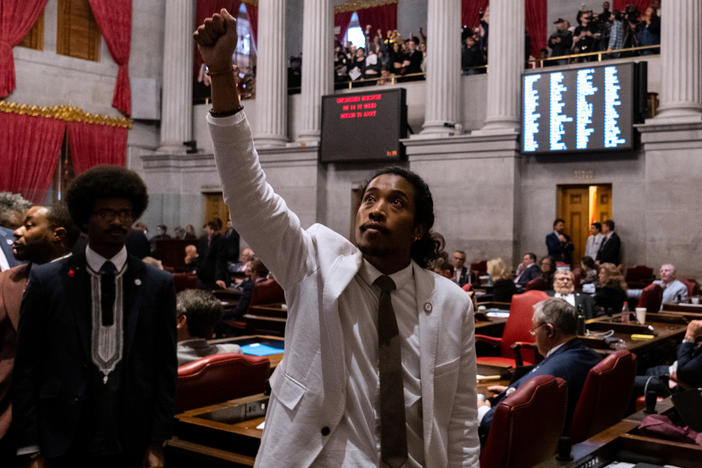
<point x="27" y="369"/>
<point x="221" y="271"/>
<point x="463" y="444"/>
<point x="167" y="369"/>
<point x="259" y="214"/>
<point x="690" y="364"/>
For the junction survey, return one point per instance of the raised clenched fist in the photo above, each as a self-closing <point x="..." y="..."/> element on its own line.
<point x="216" y="39"/>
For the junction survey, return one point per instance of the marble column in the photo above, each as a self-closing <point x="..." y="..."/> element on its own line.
<point x="681" y="60"/>
<point x="505" y="64"/>
<point x="270" y="128"/>
<point x="177" y="93"/>
<point x="317" y="65"/>
<point x="443" y="92"/>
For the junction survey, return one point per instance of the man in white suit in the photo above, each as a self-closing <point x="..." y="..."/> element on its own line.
<point x="328" y="403"/>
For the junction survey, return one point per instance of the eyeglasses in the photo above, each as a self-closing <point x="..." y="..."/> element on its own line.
<point x="563" y="278"/>
<point x="107" y="214"/>
<point x="532" y="332"/>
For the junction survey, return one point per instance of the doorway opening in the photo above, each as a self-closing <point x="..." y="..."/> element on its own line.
<point x="580" y="206"/>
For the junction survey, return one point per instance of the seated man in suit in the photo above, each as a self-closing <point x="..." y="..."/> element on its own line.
<point x="687" y="369"/>
<point x="46" y="235"/>
<point x="674" y="290"/>
<point x="198" y="314"/>
<point x="610" y="246"/>
<point x="564" y="288"/>
<point x="558" y="243"/>
<point x="527" y="270"/>
<point x="554" y="327"/>
<point x="95" y="368"/>
<point x="256" y="272"/>
<point x="461" y="273"/>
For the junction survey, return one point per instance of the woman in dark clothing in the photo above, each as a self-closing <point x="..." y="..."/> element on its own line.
<point x="503" y="286"/>
<point x="548" y="268"/>
<point x="611" y="294"/>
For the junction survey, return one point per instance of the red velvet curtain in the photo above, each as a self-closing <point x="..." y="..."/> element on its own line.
<point x="470" y="12"/>
<point x="92" y="144"/>
<point x="535" y="17"/>
<point x="381" y="17"/>
<point x="115" y="20"/>
<point x="29" y="150"/>
<point x="640" y="4"/>
<point x="252" y="12"/>
<point x="16" y="19"/>
<point x="341" y="21"/>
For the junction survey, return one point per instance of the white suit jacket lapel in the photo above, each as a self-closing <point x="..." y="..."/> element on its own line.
<point x="428" y="342"/>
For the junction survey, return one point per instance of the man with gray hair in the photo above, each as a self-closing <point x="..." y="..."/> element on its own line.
<point x="564" y="288"/>
<point x="12" y="209"/>
<point x="554" y="330"/>
<point x="674" y="290"/>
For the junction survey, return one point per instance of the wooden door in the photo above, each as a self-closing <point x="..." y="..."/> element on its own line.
<point x="215" y="208"/>
<point x="602" y="203"/>
<point x="573" y="207"/>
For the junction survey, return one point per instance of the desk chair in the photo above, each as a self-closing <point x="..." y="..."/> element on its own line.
<point x="651" y="298"/>
<point x="516" y="330"/>
<point x="267" y="292"/>
<point x="220" y="377"/>
<point x="606" y="395"/>
<point x="639" y="276"/>
<point x="537" y="284"/>
<point x="527" y="424"/>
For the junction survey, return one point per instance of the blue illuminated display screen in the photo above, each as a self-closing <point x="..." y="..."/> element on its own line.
<point x="585" y="109"/>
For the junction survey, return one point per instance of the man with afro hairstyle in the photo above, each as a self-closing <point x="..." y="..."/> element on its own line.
<point x="96" y="365"/>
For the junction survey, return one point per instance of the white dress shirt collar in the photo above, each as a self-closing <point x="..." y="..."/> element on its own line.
<point x="369" y="273"/>
<point x="95" y="260"/>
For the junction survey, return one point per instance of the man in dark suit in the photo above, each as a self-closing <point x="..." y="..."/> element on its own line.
<point x="564" y="288"/>
<point x="212" y="271"/>
<point x="558" y="243"/>
<point x="554" y="328"/>
<point x="231" y="240"/>
<point x="96" y="363"/>
<point x="611" y="245"/>
<point x="527" y="270"/>
<point x="45" y="234"/>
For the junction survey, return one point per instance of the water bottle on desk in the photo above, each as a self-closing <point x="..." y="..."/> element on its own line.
<point x="625" y="312"/>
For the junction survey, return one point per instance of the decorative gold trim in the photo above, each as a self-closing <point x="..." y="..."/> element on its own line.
<point x="65" y="113"/>
<point x="353" y="5"/>
<point x="250" y="2"/>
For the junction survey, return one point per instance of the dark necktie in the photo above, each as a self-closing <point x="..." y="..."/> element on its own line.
<point x="107" y="293"/>
<point x="393" y="435"/>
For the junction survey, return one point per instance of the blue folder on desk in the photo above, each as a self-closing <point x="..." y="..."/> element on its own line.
<point x="258" y="349"/>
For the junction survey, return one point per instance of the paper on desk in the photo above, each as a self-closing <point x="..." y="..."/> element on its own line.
<point x="260" y="426"/>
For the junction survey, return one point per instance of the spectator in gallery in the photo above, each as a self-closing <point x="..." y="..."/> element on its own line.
<point x="594" y="240"/>
<point x="198" y="313"/>
<point x="616" y="33"/>
<point x="503" y="287"/>
<point x="397" y="58"/>
<point x="413" y="63"/>
<point x="586" y="35"/>
<point x="372" y="69"/>
<point x="649" y="31"/>
<point x="295" y="73"/>
<point x="603" y="21"/>
<point x="470" y="56"/>
<point x="561" y="41"/>
<point x="610" y="295"/>
<point x="358" y="66"/>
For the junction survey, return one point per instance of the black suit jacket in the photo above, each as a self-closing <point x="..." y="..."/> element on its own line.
<point x="212" y="261"/>
<point x="690" y="364"/>
<point x="557" y="250"/>
<point x="464" y="277"/>
<point x="53" y="365"/>
<point x="571" y="362"/>
<point x="582" y="300"/>
<point x="609" y="250"/>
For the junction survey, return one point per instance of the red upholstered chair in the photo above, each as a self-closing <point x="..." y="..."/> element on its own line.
<point x="220" y="377"/>
<point x="606" y="395"/>
<point x="537" y="284"/>
<point x="577" y="277"/>
<point x="651" y="298"/>
<point x="517" y="329"/>
<point x="267" y="292"/>
<point x="639" y="276"/>
<point x="527" y="424"/>
<point x="183" y="281"/>
<point x="480" y="267"/>
<point x="693" y="287"/>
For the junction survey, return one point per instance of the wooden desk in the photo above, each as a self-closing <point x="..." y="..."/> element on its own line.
<point x="682" y="308"/>
<point x="668" y="333"/>
<point x="623" y="442"/>
<point x="266" y="318"/>
<point x="269" y="340"/>
<point x="490" y="326"/>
